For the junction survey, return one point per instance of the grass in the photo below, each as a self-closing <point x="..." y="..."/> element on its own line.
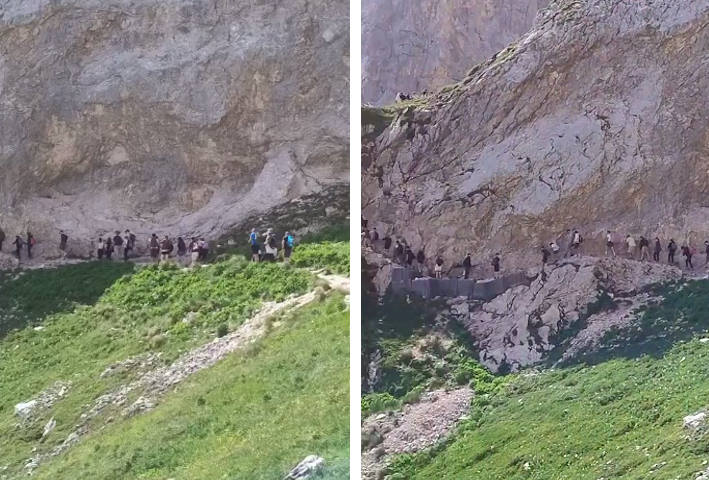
<point x="334" y="256"/>
<point x="100" y="313"/>
<point x="255" y="415"/>
<point x="617" y="418"/>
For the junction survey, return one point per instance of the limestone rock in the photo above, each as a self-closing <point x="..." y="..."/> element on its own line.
<point x="595" y="119"/>
<point x="307" y="468"/>
<point x="424" y="45"/>
<point x="696" y="421"/>
<point x="169" y="116"/>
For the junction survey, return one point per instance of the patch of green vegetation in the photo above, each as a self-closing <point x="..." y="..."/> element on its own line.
<point x="254" y="415"/>
<point x="620" y="418"/>
<point x="334" y="256"/>
<point x="30" y="295"/>
<point x="419" y="352"/>
<point x="339" y="232"/>
<point x="112" y="313"/>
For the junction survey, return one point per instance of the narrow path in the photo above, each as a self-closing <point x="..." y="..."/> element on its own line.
<point x="154" y="384"/>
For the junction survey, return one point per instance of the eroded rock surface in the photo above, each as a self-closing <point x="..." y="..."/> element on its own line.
<point x="597" y="118"/>
<point x="177" y="116"/>
<point x="413" y="46"/>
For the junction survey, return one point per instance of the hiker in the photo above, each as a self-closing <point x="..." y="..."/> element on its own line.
<point x="671" y="249"/>
<point x="270" y="246"/>
<point x="467" y="264"/>
<point x="399" y="252"/>
<point x="131" y="240"/>
<point x="166" y="249"/>
<point x="409" y="257"/>
<point x="630" y="246"/>
<point x="101" y="248"/>
<point x="687" y="252"/>
<point x="127" y="246"/>
<point x="364" y="222"/>
<point x="287" y="245"/>
<point x="420" y="259"/>
<point x="253" y="241"/>
<point x="644" y="249"/>
<point x="194" y="251"/>
<point x="609" y="244"/>
<point x="375" y="235"/>
<point x="576" y="243"/>
<point x="181" y="249"/>
<point x="658" y="249"/>
<point x="63" y="239"/>
<point x="555" y="249"/>
<point x="154" y="247"/>
<point x="439" y="267"/>
<point x="706" y="250"/>
<point x="109" y="248"/>
<point x="545" y="255"/>
<point x="203" y="249"/>
<point x="2" y="238"/>
<point x="118" y="243"/>
<point x="496" y="262"/>
<point x="30" y="243"/>
<point x="18" y="246"/>
<point x="387" y="243"/>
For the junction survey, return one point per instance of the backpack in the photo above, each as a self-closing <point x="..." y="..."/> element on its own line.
<point x="289" y="241"/>
<point x="272" y="241"/>
<point x="170" y="247"/>
<point x="117" y="240"/>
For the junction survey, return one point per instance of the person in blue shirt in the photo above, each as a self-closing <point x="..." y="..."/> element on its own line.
<point x="287" y="245"/>
<point x="253" y="240"/>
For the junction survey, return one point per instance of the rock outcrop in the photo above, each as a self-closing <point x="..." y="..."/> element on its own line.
<point x="569" y="309"/>
<point x="413" y="46"/>
<point x="177" y="116"/>
<point x="596" y="119"/>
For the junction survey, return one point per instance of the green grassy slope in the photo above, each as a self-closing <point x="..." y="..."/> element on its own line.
<point x="619" y="418"/>
<point x="95" y="314"/>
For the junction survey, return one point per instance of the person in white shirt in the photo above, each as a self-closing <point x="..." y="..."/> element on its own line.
<point x="630" y="245"/>
<point x="610" y="248"/>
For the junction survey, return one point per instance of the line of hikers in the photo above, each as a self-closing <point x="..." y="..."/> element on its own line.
<point x="640" y="250"/>
<point x="20" y="242"/>
<point x="269" y="252"/>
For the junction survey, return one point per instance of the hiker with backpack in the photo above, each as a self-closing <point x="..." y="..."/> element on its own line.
<point x="387" y="244"/>
<point x="63" y="239"/>
<point x="410" y="257"/>
<point x="658" y="250"/>
<point x="253" y="242"/>
<point x="109" y="248"/>
<point x="671" y="249"/>
<point x="576" y="243"/>
<point x="420" y="260"/>
<point x="555" y="249"/>
<point x="438" y="269"/>
<point x="18" y="247"/>
<point x="644" y="249"/>
<point x="467" y="265"/>
<point x="287" y="244"/>
<point x="166" y="249"/>
<point x="194" y="251"/>
<point x="118" y="243"/>
<point x="101" y="248"/>
<point x="496" y="263"/>
<point x="30" y="243"/>
<point x="203" y="249"/>
<point x="181" y="249"/>
<point x="610" y="246"/>
<point x="154" y="247"/>
<point x="630" y="246"/>
<point x="127" y="245"/>
<point x="687" y="251"/>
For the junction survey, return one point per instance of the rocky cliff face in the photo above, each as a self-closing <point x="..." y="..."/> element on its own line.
<point x="596" y="119"/>
<point x="412" y="46"/>
<point x="177" y="116"/>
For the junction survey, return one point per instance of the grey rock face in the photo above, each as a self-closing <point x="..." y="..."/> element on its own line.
<point x="523" y="325"/>
<point x="413" y="46"/>
<point x="596" y="119"/>
<point x="177" y="116"/>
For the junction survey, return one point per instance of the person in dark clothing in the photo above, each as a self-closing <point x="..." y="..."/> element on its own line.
<point x="101" y="248"/>
<point x="181" y="247"/>
<point x="439" y="267"/>
<point x="687" y="252"/>
<point x="409" y="256"/>
<point x="644" y="249"/>
<point x="109" y="248"/>
<point x="658" y="249"/>
<point x="545" y="255"/>
<point x="30" y="243"/>
<point x="18" y="247"/>
<point x="2" y="238"/>
<point x="63" y="239"/>
<point x="375" y="235"/>
<point x="706" y="250"/>
<point x="154" y="247"/>
<point x="387" y="243"/>
<point x="671" y="249"/>
<point x="467" y="264"/>
<point x="496" y="262"/>
<point x="420" y="259"/>
<point x="399" y="251"/>
<point x="364" y="223"/>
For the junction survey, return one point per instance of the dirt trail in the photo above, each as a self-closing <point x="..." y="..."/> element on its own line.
<point x="154" y="384"/>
